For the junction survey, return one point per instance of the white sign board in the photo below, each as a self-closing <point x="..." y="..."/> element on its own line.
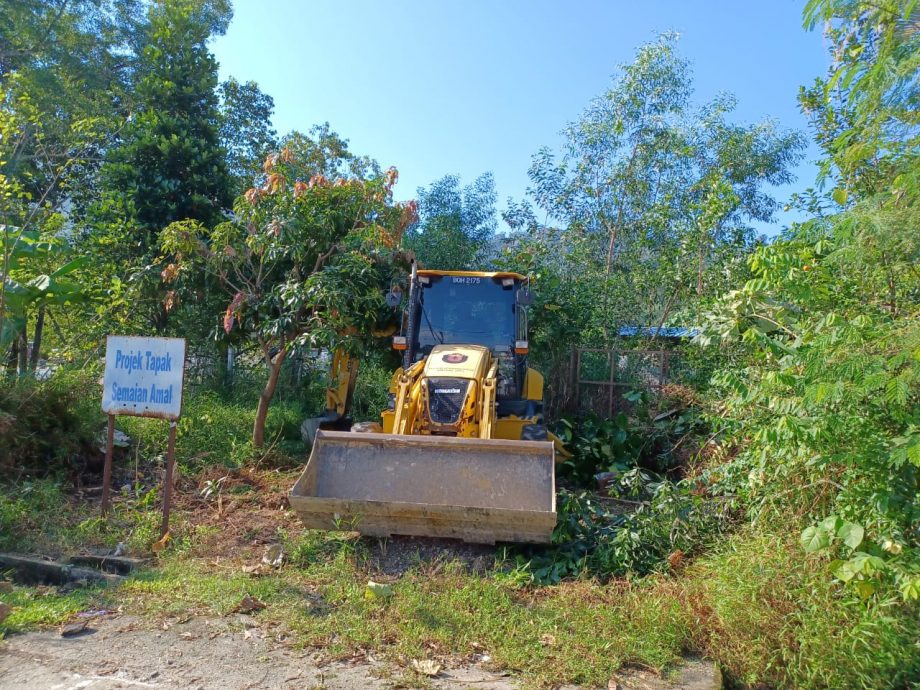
<point x="143" y="376"/>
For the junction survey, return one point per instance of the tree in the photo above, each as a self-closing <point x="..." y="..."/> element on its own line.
<point x="36" y="277"/>
<point x="169" y="165"/>
<point x="63" y="72"/>
<point x="663" y="191"/>
<point x="456" y="225"/>
<point x="865" y="112"/>
<point x="823" y="411"/>
<point x="68" y="62"/>
<point x="306" y="262"/>
<point x="246" y="132"/>
<point x="323" y="152"/>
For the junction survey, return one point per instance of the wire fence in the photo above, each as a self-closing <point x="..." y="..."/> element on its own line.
<point x="599" y="380"/>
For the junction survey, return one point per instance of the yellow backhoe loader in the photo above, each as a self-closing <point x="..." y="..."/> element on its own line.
<point x="461" y="450"/>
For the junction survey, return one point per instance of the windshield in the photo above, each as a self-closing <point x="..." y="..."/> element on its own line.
<point x="465" y="310"/>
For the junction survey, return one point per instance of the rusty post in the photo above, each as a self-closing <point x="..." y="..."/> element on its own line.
<point x="577" y="378"/>
<point x="665" y="370"/>
<point x="612" y="363"/>
<point x="168" y="479"/>
<point x="107" y="469"/>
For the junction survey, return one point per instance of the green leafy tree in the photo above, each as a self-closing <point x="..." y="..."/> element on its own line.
<point x="306" y="262"/>
<point x="653" y="196"/>
<point x="866" y="112"/>
<point x="37" y="277"/>
<point x="824" y="412"/>
<point x="68" y="62"/>
<point x="456" y="224"/>
<point x="246" y="132"/>
<point x="322" y="151"/>
<point x="169" y="165"/>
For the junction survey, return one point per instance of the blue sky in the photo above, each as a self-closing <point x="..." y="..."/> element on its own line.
<point x="442" y="87"/>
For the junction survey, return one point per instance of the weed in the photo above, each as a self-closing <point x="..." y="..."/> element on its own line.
<point x="217" y="430"/>
<point x="597" y="445"/>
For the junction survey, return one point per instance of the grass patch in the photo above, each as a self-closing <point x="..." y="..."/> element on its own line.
<point x="39" y="517"/>
<point x="758" y="605"/>
<point x="771" y="616"/>
<point x="216" y="429"/>
<point x="34" y="607"/>
<point x="575" y="632"/>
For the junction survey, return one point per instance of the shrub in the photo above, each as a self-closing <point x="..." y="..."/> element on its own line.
<point x="591" y="538"/>
<point x="826" y="415"/>
<point x="49" y="426"/>
<point x="597" y="445"/>
<point x="370" y="396"/>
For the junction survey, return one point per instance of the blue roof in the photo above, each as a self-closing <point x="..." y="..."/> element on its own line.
<point x="663" y="332"/>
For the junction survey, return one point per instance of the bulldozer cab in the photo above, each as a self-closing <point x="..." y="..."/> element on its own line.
<point x="465" y="309"/>
<point x="471" y="308"/>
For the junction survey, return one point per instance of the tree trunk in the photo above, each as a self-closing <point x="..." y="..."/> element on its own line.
<point x="23" y="352"/>
<point x="265" y="399"/>
<point x="667" y="310"/>
<point x="13" y="359"/>
<point x="37" y="338"/>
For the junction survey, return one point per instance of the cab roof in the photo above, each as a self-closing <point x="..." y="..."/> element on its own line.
<point x="472" y="274"/>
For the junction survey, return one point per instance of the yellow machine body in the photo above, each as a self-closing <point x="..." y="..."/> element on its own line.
<point x="461" y="450"/>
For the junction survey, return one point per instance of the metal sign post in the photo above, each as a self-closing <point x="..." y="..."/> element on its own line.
<point x="107" y="470"/>
<point x="168" y="479"/>
<point x="143" y="378"/>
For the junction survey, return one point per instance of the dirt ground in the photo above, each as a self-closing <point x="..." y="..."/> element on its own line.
<point x="218" y="654"/>
<point x="119" y="652"/>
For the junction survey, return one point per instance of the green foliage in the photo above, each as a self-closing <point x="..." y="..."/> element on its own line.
<point x="23" y="509"/>
<point x="246" y="133"/>
<point x="48" y="426"/>
<point x="826" y="412"/>
<point x="371" y="389"/>
<point x="596" y="538"/>
<point x="597" y="445"/>
<point x="307" y="261"/>
<point x="63" y="75"/>
<point x="653" y="197"/>
<point x="827" y="408"/>
<point x="168" y="165"/>
<point x="456" y="225"/>
<point x="771" y="618"/>
<point x="865" y="112"/>
<point x="216" y="430"/>
<point x="36" y="277"/>
<point x="40" y="516"/>
<point x="564" y="292"/>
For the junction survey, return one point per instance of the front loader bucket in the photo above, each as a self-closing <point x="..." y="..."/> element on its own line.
<point x="435" y="486"/>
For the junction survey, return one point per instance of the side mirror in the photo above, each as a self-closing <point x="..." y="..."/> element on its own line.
<point x="524" y="297"/>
